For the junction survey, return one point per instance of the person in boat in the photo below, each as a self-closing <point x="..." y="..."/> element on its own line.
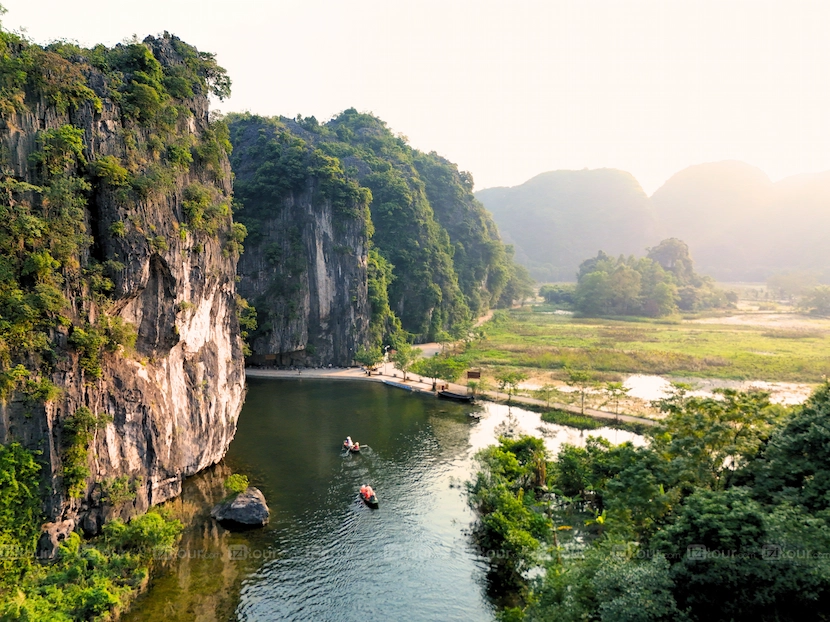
<point x="347" y="444"/>
<point x="367" y="491"/>
<point x="355" y="446"/>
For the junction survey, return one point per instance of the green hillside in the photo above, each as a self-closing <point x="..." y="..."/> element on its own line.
<point x="448" y="264"/>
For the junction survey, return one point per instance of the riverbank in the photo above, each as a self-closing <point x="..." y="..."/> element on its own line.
<point x="424" y="385"/>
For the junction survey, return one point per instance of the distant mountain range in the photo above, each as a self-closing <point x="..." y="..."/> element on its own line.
<point x="739" y="225"/>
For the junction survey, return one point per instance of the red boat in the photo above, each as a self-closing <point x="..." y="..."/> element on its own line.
<point x="369" y="497"/>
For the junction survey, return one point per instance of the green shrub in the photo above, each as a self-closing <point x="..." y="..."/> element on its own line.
<point x="156" y="181"/>
<point x="79" y="431"/>
<point x="214" y="146"/>
<point x="20" y="510"/>
<point x="89" y="344"/>
<point x="573" y="420"/>
<point x="119" y="490"/>
<point x="143" y="101"/>
<point x="118" y="229"/>
<point x="179" y="156"/>
<point x="109" y="170"/>
<point x="237" y="234"/>
<point x="60" y="149"/>
<point x="236" y="483"/>
<point x="41" y="391"/>
<point x="204" y="208"/>
<point x="118" y="333"/>
<point x="247" y="317"/>
<point x="150" y="533"/>
<point x="158" y="244"/>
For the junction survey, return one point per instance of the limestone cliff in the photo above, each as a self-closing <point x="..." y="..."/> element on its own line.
<point x="353" y="236"/>
<point x="119" y="245"/>
<point x="305" y="265"/>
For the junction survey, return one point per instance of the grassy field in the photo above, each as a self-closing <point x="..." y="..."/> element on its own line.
<point x="533" y="340"/>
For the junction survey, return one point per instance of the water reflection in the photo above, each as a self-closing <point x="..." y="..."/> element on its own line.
<point x="499" y="419"/>
<point x="646" y="387"/>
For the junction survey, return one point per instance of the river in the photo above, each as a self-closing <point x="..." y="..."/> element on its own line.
<point x="325" y="555"/>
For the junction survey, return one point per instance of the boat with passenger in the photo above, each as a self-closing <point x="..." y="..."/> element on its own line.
<point x="368" y="496"/>
<point x="351" y="446"/>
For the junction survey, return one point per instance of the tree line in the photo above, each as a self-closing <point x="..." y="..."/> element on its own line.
<point x="659" y="284"/>
<point x="722" y="515"/>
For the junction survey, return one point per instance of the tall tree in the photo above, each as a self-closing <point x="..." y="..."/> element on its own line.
<point x="404" y="357"/>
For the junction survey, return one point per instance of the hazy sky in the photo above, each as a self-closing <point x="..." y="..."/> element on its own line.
<point x="511" y="89"/>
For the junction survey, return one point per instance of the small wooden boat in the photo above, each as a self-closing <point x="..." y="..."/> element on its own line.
<point x="458" y="397"/>
<point x="372" y="501"/>
<point x="351" y="447"/>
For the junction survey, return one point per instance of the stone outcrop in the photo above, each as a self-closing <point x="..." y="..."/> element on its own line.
<point x="169" y="405"/>
<point x="247" y="509"/>
<point x="51" y="536"/>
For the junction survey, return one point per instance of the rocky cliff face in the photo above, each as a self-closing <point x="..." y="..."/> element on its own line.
<point x="154" y="262"/>
<point x="305" y="261"/>
<point x="313" y="197"/>
<point x="309" y="284"/>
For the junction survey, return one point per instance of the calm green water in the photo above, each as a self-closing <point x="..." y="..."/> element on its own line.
<point x="325" y="555"/>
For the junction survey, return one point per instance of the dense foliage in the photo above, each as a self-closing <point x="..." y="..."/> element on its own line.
<point x="722" y="516"/>
<point x="20" y="512"/>
<point x="560" y="295"/>
<point x="89" y="580"/>
<point x="435" y="258"/>
<point x="654" y="286"/>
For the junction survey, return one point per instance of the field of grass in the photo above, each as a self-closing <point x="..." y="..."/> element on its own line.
<point x="534" y="340"/>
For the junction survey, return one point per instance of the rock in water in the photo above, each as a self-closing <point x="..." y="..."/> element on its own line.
<point x="247" y="508"/>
